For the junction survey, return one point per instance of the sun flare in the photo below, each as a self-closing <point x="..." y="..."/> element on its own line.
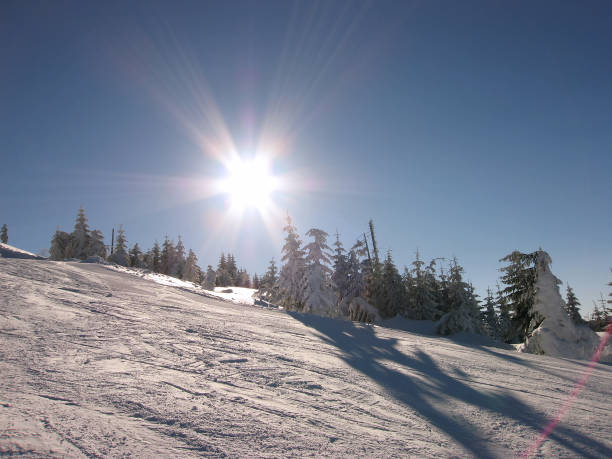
<point x="249" y="184"/>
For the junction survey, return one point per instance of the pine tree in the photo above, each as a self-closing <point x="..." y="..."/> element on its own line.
<point x="96" y="244"/>
<point x="318" y="294"/>
<point x="490" y="319"/>
<point x="4" y="234"/>
<point x="135" y="255"/>
<point x="255" y="282"/>
<point x="505" y="330"/>
<point x="119" y="255"/>
<point x="519" y="278"/>
<point x="268" y="285"/>
<point x="191" y="270"/>
<point x="176" y="269"/>
<point x="464" y="310"/>
<point x="167" y="257"/>
<point x="291" y="278"/>
<point x="573" y="309"/>
<point x="155" y="264"/>
<point x="210" y="278"/>
<point x="340" y="276"/>
<point x="60" y="245"/>
<point x="232" y="270"/>
<point x="393" y="298"/>
<point x="222" y="278"/>
<point x="421" y="288"/>
<point x="80" y="236"/>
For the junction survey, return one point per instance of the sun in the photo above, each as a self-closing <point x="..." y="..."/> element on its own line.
<point x="249" y="184"/>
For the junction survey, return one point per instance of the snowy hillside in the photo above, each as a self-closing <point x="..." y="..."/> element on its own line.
<point x="8" y="251"/>
<point x="98" y="362"/>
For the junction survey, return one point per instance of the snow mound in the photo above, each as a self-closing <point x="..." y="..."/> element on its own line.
<point x="556" y="335"/>
<point x="241" y="295"/>
<point x="8" y="251"/>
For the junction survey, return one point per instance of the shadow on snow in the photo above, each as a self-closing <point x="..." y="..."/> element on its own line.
<point x="366" y="352"/>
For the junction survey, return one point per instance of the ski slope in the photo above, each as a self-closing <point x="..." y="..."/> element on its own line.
<point x="100" y="363"/>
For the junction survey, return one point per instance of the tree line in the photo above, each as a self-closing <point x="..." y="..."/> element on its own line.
<point x="168" y="258"/>
<point x="363" y="285"/>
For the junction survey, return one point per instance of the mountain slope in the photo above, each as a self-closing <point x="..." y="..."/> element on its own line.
<point x="97" y="363"/>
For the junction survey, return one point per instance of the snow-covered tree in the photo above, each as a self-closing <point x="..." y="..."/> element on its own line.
<point x="573" y="306"/>
<point x="490" y="319"/>
<point x="60" y="245"/>
<point x="120" y="255"/>
<point x="421" y="287"/>
<point x="210" y="278"/>
<point x="135" y="254"/>
<point x="80" y="236"/>
<point x="464" y="313"/>
<point x="519" y="278"/>
<point x="191" y="270"/>
<point x="96" y="244"/>
<point x="291" y="278"/>
<point x="318" y="294"/>
<point x="4" y="234"/>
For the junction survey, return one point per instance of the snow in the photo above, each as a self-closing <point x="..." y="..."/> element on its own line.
<point x="98" y="362"/>
<point x="8" y="251"/>
<point x="557" y="335"/>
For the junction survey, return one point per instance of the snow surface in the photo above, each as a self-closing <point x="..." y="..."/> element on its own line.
<point x="8" y="251"/>
<point x="99" y="363"/>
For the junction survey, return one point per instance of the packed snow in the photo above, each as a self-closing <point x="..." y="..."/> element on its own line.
<point x="98" y="362"/>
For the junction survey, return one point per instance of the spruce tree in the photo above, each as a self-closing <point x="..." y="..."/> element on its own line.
<point x="490" y="319"/>
<point x="135" y="255"/>
<point x="421" y="287"/>
<point x="176" y="269"/>
<point x="519" y="278"/>
<point x="155" y="265"/>
<point x="255" y="282"/>
<point x="96" y="244"/>
<point x="373" y="274"/>
<point x="572" y="304"/>
<point x="318" y="294"/>
<point x="80" y="236"/>
<point x="191" y="270"/>
<point x="167" y="257"/>
<point x="393" y="298"/>
<point x="4" y="234"/>
<point x="291" y="278"/>
<point x="60" y="245"/>
<point x="232" y="270"/>
<point x="464" y="310"/>
<point x="210" y="278"/>
<point x="120" y="255"/>
<point x="340" y="276"/>
<point x="268" y="284"/>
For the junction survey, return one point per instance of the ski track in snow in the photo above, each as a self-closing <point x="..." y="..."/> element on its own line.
<point x="99" y="363"/>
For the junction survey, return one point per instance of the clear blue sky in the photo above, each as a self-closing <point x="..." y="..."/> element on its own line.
<point x="462" y="128"/>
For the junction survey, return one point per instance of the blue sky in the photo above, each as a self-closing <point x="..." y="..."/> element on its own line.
<point x="465" y="129"/>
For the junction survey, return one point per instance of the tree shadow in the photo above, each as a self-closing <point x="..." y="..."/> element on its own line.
<point x="366" y="352"/>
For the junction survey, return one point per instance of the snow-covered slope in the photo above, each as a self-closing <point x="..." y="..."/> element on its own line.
<point x="98" y="363"/>
<point x="8" y="251"/>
